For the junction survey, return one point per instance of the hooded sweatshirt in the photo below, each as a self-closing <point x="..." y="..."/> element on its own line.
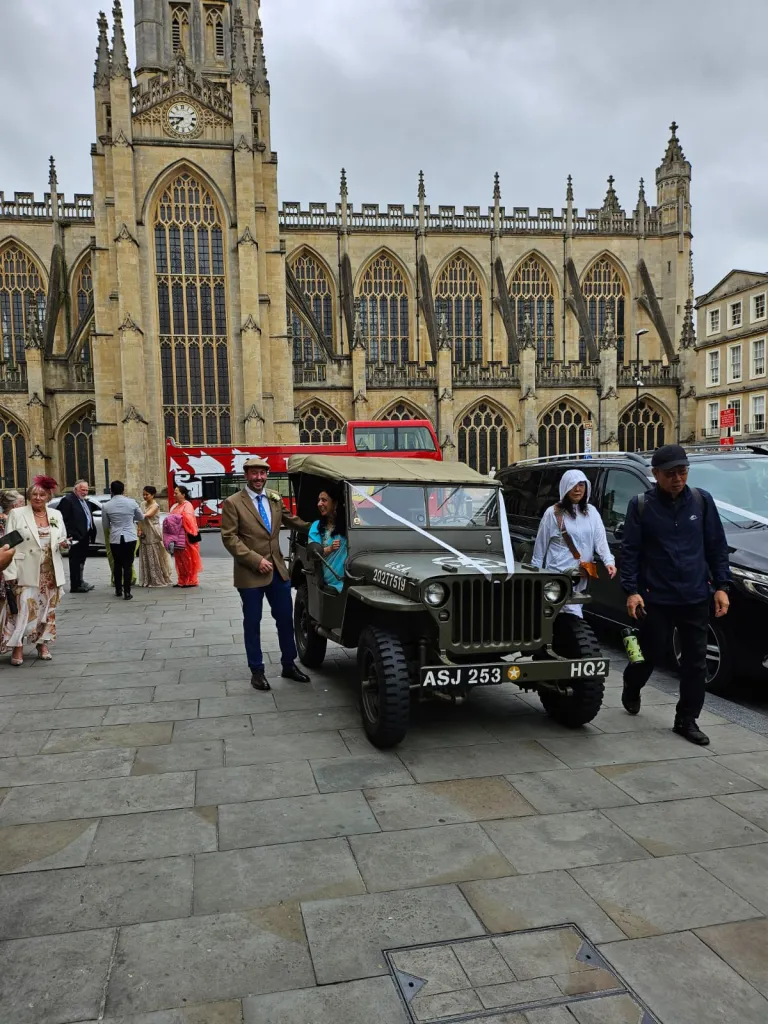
<point x="586" y="531"/>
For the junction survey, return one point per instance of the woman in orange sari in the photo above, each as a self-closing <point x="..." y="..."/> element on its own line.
<point x="188" y="560"/>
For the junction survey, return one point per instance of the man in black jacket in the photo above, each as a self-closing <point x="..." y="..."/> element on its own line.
<point x="77" y="513"/>
<point x="673" y="555"/>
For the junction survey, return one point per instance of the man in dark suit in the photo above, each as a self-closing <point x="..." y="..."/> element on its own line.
<point x="250" y="530"/>
<point x="77" y="513"/>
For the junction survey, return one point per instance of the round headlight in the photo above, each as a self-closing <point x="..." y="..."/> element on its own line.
<point x="554" y="591"/>
<point x="435" y="594"/>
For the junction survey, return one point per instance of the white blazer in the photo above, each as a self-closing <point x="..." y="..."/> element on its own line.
<point x="25" y="567"/>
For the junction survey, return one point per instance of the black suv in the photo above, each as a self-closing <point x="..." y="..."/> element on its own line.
<point x="738" y="481"/>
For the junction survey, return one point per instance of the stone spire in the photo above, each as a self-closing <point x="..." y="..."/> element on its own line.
<point x="240" y="70"/>
<point x="53" y="185"/>
<point x="569" y="189"/>
<point x="260" y="80"/>
<point x="343" y="191"/>
<point x="611" y="203"/>
<point x="422" y="193"/>
<point x="641" y="193"/>
<point x="674" y="153"/>
<point x="496" y="188"/>
<point x="120" y="67"/>
<point x="101" y="76"/>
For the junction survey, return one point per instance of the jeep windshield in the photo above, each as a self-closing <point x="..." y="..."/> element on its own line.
<point x="742" y="483"/>
<point x="400" y="505"/>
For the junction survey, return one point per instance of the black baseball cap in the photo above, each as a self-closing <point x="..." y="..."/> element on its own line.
<point x="669" y="456"/>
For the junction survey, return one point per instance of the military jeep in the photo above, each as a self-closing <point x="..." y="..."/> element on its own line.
<point x="430" y="595"/>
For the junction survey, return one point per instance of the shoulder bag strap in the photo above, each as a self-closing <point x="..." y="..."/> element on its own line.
<point x="560" y="520"/>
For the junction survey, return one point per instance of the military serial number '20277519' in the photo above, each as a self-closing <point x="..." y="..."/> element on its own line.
<point x="389" y="579"/>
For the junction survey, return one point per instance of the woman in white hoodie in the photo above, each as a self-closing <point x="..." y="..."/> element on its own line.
<point x="581" y="521"/>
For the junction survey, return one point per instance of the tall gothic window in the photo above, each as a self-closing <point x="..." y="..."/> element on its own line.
<point x="401" y="411"/>
<point x="22" y="301"/>
<point x="533" y="299"/>
<point x="458" y="298"/>
<point x="484" y="439"/>
<point x="78" y="448"/>
<point x="641" y="428"/>
<point x="192" y="312"/>
<point x="561" y="430"/>
<point x="83" y="290"/>
<point x="604" y="295"/>
<point x="384" y="317"/>
<point x="13" y="453"/>
<point x="313" y="279"/>
<point x="180" y="28"/>
<point x="214" y="34"/>
<point x="320" y="425"/>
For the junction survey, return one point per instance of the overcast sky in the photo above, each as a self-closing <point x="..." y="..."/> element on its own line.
<point x="460" y="88"/>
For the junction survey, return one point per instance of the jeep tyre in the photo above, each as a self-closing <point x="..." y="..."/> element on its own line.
<point x="573" y="638"/>
<point x="310" y="645"/>
<point x="385" y="687"/>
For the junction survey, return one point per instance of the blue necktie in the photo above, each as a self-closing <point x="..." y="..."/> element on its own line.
<point x="263" y="512"/>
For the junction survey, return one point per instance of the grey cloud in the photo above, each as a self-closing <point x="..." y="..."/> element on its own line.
<point x="461" y="88"/>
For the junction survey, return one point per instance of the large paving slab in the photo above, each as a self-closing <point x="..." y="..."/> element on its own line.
<point x="373" y="1001"/>
<point x="714" y="992"/>
<point x="56" y="978"/>
<point x="55" y="844"/>
<point x="254" y="782"/>
<point x="667" y="894"/>
<point x="446" y="803"/>
<point x="137" y="837"/>
<point x="745" y="870"/>
<point x="105" y="736"/>
<point x="347" y="936"/>
<point x="295" y="747"/>
<point x="478" y="761"/>
<point x="696" y="777"/>
<point x="621" y="748"/>
<point x="27" y="771"/>
<point x="208" y="959"/>
<point x="753" y="766"/>
<point x="290" y="820"/>
<point x="578" y="790"/>
<point x="743" y="946"/>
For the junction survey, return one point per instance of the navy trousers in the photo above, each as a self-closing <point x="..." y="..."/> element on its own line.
<point x="278" y="593"/>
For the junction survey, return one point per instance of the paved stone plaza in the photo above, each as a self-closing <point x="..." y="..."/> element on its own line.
<point x="176" y="848"/>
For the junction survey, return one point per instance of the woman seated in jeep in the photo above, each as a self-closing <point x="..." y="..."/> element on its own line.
<point x="329" y="534"/>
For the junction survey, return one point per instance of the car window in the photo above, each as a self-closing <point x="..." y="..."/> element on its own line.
<point x="370" y="500"/>
<point x="742" y="483"/>
<point x="520" y="490"/>
<point x="549" y="490"/>
<point x="620" y="488"/>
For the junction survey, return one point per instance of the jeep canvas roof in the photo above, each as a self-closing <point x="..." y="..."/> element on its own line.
<point x="403" y="471"/>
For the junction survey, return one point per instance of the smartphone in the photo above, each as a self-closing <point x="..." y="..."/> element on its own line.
<point x="12" y="539"/>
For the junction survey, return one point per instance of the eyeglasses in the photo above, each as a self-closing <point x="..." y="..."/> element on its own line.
<point x="670" y="474"/>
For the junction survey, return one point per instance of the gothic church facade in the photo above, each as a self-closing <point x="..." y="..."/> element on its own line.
<point x="180" y="299"/>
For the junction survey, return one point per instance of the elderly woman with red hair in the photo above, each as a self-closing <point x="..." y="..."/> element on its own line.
<point x="35" y="578"/>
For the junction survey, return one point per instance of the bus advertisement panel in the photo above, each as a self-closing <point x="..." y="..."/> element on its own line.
<point x="214" y="472"/>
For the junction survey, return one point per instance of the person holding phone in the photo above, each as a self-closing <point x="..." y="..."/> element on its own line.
<point x="674" y="568"/>
<point x="36" y="573"/>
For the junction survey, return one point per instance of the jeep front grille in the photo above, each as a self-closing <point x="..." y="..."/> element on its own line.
<point x="497" y="613"/>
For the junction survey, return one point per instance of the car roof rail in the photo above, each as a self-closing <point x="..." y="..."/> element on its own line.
<point x="638" y="457"/>
<point x="709" y="449"/>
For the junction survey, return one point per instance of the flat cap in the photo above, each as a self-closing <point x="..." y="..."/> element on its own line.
<point x="256" y="463"/>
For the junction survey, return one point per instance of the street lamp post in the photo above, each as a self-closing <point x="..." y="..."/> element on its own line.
<point x="638" y="384"/>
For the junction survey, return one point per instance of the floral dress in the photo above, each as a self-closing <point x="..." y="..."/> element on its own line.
<point x="36" y="619"/>
<point x="154" y="563"/>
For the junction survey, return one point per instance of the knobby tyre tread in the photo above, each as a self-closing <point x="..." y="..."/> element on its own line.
<point x="575" y="639"/>
<point x="310" y="645"/>
<point x="394" y="686"/>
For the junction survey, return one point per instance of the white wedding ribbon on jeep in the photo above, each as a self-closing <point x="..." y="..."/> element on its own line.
<point x="463" y="559"/>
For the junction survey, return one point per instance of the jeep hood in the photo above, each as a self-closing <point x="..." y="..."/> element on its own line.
<point x="417" y="566"/>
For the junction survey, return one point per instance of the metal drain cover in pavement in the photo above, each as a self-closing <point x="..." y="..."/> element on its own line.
<point x="514" y="973"/>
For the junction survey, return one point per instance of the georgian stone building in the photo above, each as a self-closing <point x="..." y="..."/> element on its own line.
<point x="180" y="299"/>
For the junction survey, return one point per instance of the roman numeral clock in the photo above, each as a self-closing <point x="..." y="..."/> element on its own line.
<point x="183" y="120"/>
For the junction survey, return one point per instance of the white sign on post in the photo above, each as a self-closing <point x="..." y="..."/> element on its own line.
<point x="588" y="440"/>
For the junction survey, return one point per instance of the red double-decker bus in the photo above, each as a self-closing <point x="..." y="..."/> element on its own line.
<point x="212" y="473"/>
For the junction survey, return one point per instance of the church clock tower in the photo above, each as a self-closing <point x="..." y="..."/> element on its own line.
<point x="190" y="338"/>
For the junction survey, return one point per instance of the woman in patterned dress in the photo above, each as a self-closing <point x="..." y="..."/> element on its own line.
<point x="36" y="573"/>
<point x="154" y="563"/>
<point x="188" y="560"/>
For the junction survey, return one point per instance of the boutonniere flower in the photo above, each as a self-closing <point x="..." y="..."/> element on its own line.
<point x="274" y="496"/>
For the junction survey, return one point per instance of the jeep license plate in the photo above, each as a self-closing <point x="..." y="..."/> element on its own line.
<point x="587" y="669"/>
<point x="445" y="678"/>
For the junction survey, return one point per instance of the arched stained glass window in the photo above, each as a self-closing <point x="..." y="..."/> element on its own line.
<point x="13" y="453"/>
<point x="641" y="427"/>
<point x="83" y="290"/>
<point x="532" y="294"/>
<point x="402" y="411"/>
<point x="604" y="294"/>
<point x="320" y="425"/>
<point x="192" y="314"/>
<point x="459" y="300"/>
<point x="314" y="281"/>
<point x="561" y="430"/>
<point x="483" y="437"/>
<point x="78" y="448"/>
<point x="22" y="301"/>
<point x="384" y="316"/>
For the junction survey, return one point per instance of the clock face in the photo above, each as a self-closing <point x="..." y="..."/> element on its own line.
<point x="183" y="119"/>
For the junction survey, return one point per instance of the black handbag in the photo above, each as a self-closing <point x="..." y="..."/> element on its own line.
<point x="193" y="538"/>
